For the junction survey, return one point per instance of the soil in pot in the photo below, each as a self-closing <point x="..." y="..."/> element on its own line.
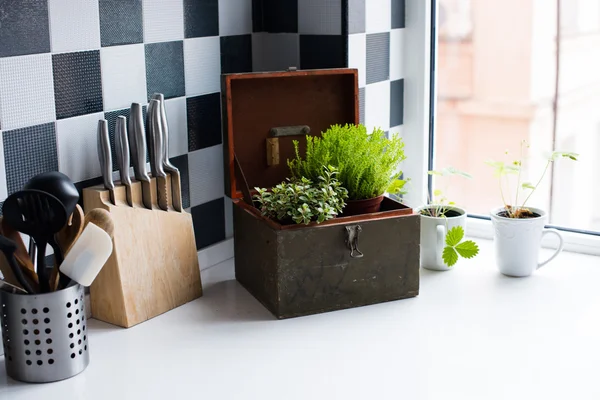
<point x="448" y="214"/>
<point x="359" y="207"/>
<point x="520" y="214"/>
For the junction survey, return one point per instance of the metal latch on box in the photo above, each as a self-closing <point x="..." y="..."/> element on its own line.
<point x="273" y="140"/>
<point x="352" y="233"/>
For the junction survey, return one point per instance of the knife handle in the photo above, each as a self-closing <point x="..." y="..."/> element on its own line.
<point x="137" y="142"/>
<point x="122" y="150"/>
<point x="104" y="154"/>
<point x="155" y="138"/>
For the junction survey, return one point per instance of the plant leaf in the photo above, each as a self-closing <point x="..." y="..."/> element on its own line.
<point x="467" y="249"/>
<point x="528" y="185"/>
<point x="454" y="236"/>
<point x="437" y="192"/>
<point x="449" y="256"/>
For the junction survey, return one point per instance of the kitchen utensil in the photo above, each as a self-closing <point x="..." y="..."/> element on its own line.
<point x="101" y="218"/>
<point x="10" y="288"/>
<point x="167" y="166"/>
<point x="155" y="144"/>
<point x="39" y="215"/>
<point x="58" y="185"/>
<point x="65" y="238"/>
<point x="8" y="247"/>
<point x="48" y="336"/>
<point x="21" y="254"/>
<point x="88" y="255"/>
<point x="123" y="160"/>
<point x="105" y="158"/>
<point x="137" y="144"/>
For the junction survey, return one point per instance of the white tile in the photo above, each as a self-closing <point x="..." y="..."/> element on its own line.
<point x="396" y="54"/>
<point x="123" y="76"/>
<point x="206" y="175"/>
<point x="26" y="91"/>
<point x="377" y="106"/>
<point x="275" y="51"/>
<point x="177" y="118"/>
<point x="163" y="20"/>
<point x="235" y="17"/>
<point x="3" y="190"/>
<point x="397" y="131"/>
<point x="378" y="15"/>
<point x="357" y="56"/>
<point x="74" y="25"/>
<point x="202" y="60"/>
<point x="77" y="149"/>
<point x="319" y="17"/>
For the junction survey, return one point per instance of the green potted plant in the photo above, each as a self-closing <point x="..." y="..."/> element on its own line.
<point x="367" y="164"/>
<point x="518" y="228"/>
<point x="302" y="201"/>
<point x="443" y="227"/>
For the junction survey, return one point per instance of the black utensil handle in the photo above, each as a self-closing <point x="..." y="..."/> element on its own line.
<point x="41" y="267"/>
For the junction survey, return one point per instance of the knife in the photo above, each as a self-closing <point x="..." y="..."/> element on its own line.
<point x="122" y="150"/>
<point x="167" y="166"/>
<point x="137" y="144"/>
<point x="105" y="158"/>
<point x="155" y="144"/>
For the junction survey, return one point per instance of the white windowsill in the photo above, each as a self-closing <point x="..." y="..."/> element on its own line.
<point x="472" y="333"/>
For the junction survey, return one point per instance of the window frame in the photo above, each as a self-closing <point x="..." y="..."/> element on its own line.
<point x="422" y="22"/>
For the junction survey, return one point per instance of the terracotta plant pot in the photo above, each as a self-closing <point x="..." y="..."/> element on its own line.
<point x="359" y="207"/>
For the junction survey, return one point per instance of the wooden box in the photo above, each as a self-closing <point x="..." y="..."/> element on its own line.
<point x="296" y="270"/>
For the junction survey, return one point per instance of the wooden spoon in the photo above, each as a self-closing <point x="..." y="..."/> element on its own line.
<point x="102" y="219"/>
<point x="65" y="238"/>
<point x="21" y="254"/>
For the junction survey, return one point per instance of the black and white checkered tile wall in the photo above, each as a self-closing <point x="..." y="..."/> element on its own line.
<point x="64" y="64"/>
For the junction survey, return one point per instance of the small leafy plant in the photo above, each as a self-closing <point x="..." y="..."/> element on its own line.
<point x="367" y="163"/>
<point x="302" y="201"/>
<point x="455" y="247"/>
<point x="503" y="170"/>
<point x="441" y="207"/>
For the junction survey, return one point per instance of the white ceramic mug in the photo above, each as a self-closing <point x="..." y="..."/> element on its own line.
<point x="433" y="237"/>
<point x="517" y="242"/>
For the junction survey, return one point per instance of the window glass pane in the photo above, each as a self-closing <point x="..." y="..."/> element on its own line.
<point x="496" y="81"/>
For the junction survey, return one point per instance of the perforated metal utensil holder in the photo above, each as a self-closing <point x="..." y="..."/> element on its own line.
<point x="44" y="336"/>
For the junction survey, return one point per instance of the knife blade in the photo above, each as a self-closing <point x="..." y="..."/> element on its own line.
<point x="167" y="166"/>
<point x="105" y="158"/>
<point x="155" y="144"/>
<point x="123" y="160"/>
<point x="137" y="144"/>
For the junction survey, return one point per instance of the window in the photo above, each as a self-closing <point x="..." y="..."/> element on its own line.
<point x="495" y="85"/>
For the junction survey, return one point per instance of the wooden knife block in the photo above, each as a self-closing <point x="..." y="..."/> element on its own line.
<point x="154" y="264"/>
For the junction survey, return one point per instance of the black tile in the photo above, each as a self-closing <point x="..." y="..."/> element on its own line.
<point x="204" y="121"/>
<point x="361" y="104"/>
<point x="121" y="22"/>
<point x="24" y="27"/>
<point x="181" y="163"/>
<point x="398" y="14"/>
<point x="323" y="51"/>
<point x="378" y="57"/>
<point x="356" y="16"/>
<point x="77" y="83"/>
<point x="209" y="223"/>
<point x="397" y="103"/>
<point x="201" y="18"/>
<point x="275" y="16"/>
<point x="29" y="152"/>
<point x="236" y="54"/>
<point x="164" y="69"/>
<point x="111" y="118"/>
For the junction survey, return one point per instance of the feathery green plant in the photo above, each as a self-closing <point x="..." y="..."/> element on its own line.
<point x="367" y="163"/>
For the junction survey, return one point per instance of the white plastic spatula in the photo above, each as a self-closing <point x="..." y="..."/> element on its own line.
<point x="88" y="255"/>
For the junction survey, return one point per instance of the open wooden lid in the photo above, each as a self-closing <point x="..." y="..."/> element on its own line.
<point x="264" y="112"/>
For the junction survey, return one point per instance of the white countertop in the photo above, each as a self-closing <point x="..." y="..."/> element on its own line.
<point x="470" y="334"/>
